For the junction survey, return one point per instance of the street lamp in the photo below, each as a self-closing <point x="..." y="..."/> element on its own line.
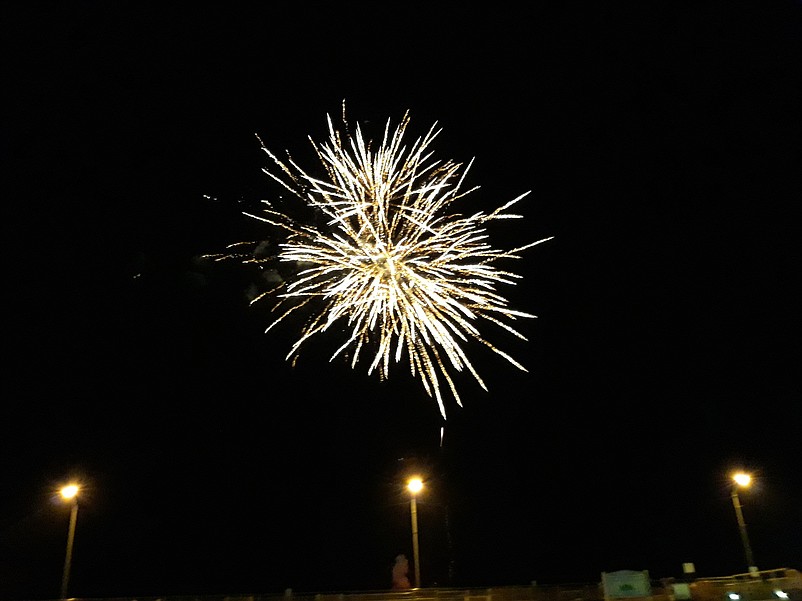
<point x="743" y="480"/>
<point x="69" y="493"/>
<point x="415" y="485"/>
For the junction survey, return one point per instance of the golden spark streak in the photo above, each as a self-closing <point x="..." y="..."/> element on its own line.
<point x="392" y="262"/>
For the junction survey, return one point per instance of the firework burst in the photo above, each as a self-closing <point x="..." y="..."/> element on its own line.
<point x="391" y="263"/>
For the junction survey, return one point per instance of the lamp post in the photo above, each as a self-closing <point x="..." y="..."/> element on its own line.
<point x="743" y="480"/>
<point x="69" y="493"/>
<point x="415" y="485"/>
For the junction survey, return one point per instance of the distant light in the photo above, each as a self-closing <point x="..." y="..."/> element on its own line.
<point x="70" y="491"/>
<point x="415" y="485"/>
<point x="742" y="479"/>
<point x="734" y="596"/>
<point x="781" y="594"/>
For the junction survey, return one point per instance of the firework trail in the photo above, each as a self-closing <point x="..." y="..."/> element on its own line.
<point x="404" y="274"/>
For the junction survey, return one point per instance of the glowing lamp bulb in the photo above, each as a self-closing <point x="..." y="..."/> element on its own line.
<point x="415" y="485"/>
<point x="70" y="491"/>
<point x="742" y="479"/>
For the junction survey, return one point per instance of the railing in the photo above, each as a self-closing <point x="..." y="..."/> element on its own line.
<point x="703" y="589"/>
<point x="578" y="592"/>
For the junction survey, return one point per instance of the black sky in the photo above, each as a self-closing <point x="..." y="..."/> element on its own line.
<point x="661" y="144"/>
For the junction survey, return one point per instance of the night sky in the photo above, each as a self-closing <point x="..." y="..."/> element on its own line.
<point x="661" y="144"/>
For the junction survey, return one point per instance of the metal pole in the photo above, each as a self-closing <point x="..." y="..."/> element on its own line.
<point x="736" y="503"/>
<point x="415" y="552"/>
<point x="65" y="579"/>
